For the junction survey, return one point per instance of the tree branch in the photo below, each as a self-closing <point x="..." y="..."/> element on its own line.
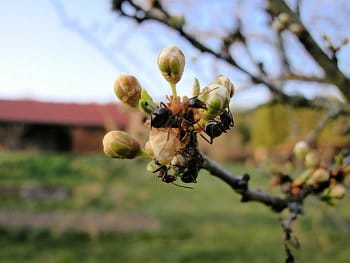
<point x="240" y="185"/>
<point x="142" y="15"/>
<point x="331" y="115"/>
<point x="330" y="67"/>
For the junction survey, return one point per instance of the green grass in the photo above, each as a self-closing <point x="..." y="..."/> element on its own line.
<point x="206" y="224"/>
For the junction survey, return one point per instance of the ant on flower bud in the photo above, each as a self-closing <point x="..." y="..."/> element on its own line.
<point x="215" y="128"/>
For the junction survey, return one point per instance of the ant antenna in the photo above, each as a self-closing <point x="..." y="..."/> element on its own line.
<point x="179" y="185"/>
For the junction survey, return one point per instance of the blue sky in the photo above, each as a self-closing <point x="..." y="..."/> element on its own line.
<point x="76" y="58"/>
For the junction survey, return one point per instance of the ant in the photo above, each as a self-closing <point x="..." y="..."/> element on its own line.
<point x="163" y="174"/>
<point x="168" y="178"/>
<point x="176" y="114"/>
<point x="215" y="128"/>
<point x="161" y="116"/>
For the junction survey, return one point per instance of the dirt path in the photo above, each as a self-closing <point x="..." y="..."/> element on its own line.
<point x="89" y="221"/>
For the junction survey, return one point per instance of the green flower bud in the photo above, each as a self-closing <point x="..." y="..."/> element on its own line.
<point x="146" y="103"/>
<point x="119" y="144"/>
<point x="337" y="191"/>
<point x="319" y="176"/>
<point x="127" y="89"/>
<point x="301" y="179"/>
<point x="196" y="88"/>
<point x="301" y="149"/>
<point x="176" y="21"/>
<point x="152" y="166"/>
<point x="217" y="98"/>
<point x="312" y="160"/>
<point x="171" y="62"/>
<point x="225" y="81"/>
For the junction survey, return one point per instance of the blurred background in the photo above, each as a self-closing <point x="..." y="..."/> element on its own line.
<point x="62" y="200"/>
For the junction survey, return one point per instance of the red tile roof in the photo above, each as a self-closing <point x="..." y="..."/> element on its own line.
<point x="96" y="115"/>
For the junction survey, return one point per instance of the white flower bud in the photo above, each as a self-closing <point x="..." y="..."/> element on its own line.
<point x="337" y="191"/>
<point x="127" y="89"/>
<point x="225" y="81"/>
<point x="301" y="149"/>
<point x="319" y="176"/>
<point x="171" y="62"/>
<point x="217" y="98"/>
<point x="284" y="18"/>
<point x="312" y="160"/>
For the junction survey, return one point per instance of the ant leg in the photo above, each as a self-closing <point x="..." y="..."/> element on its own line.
<point x="163" y="104"/>
<point x="230" y="113"/>
<point x="159" y="168"/>
<point x="211" y="139"/>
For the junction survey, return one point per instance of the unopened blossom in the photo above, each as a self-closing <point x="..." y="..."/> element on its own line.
<point x="217" y="98"/>
<point x="301" y="149"/>
<point x="119" y="144"/>
<point x="127" y="89"/>
<point x="319" y="176"/>
<point x="171" y="62"/>
<point x="337" y="191"/>
<point x="225" y="81"/>
<point x="312" y="160"/>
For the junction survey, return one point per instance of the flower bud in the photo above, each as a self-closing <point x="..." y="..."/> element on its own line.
<point x="347" y="179"/>
<point x="319" y="176"/>
<point x="217" y="98"/>
<point x="176" y="21"/>
<point x="301" y="149"/>
<point x="312" y="160"/>
<point x="337" y="191"/>
<point x="225" y="81"/>
<point x="119" y="144"/>
<point x="127" y="89"/>
<point x="296" y="29"/>
<point x="152" y="166"/>
<point x="301" y="179"/>
<point x="163" y="144"/>
<point x="277" y="25"/>
<point x="196" y="88"/>
<point x="284" y="18"/>
<point x="171" y="62"/>
<point x="146" y="103"/>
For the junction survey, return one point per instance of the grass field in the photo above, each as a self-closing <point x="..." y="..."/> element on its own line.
<point x="206" y="224"/>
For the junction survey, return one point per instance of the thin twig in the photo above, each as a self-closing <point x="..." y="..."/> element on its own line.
<point x="333" y="74"/>
<point x="331" y="115"/>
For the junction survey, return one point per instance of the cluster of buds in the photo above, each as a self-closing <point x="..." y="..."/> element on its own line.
<point x="175" y="123"/>
<point x="284" y="21"/>
<point x="328" y="182"/>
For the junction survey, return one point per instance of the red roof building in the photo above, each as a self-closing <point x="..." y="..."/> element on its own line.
<point x="89" y="115"/>
<point x="28" y="124"/>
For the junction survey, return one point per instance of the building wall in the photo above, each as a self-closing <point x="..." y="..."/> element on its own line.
<point x="85" y="140"/>
<point x="47" y="137"/>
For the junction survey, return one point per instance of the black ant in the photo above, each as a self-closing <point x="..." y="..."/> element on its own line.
<point x="163" y="174"/>
<point x="215" y="127"/>
<point x="163" y="117"/>
<point x="168" y="178"/>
